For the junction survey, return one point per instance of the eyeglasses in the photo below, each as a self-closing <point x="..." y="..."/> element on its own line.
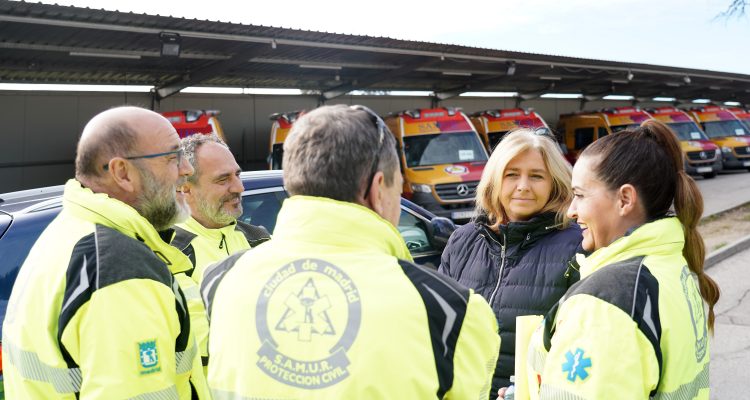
<point x="178" y="152"/>
<point x="382" y="130"/>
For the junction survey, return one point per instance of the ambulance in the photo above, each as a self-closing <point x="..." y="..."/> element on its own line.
<point x="726" y="131"/>
<point x="282" y="124"/>
<point x="492" y="125"/>
<point x="582" y="128"/>
<point x="742" y="114"/>
<point x="442" y="158"/>
<point x="702" y="157"/>
<point x="189" y="122"/>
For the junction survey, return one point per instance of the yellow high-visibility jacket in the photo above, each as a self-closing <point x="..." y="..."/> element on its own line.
<point x="205" y="246"/>
<point x="332" y="308"/>
<point x="634" y="327"/>
<point x="95" y="312"/>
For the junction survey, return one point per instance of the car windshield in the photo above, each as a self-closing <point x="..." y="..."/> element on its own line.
<point x="687" y="131"/>
<point x="443" y="148"/>
<point x="716" y="129"/>
<point x="495" y="138"/>
<point x="618" y="128"/>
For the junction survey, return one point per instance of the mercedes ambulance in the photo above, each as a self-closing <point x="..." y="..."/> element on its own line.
<point x="701" y="156"/>
<point x="282" y="124"/>
<point x="189" y="122"/>
<point x="725" y="130"/>
<point x="492" y="125"/>
<point x="582" y="128"/>
<point x="742" y="114"/>
<point x="442" y="159"/>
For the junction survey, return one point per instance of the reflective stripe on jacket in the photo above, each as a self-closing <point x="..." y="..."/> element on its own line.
<point x="205" y="246"/>
<point x="95" y="312"/>
<point x="633" y="327"/>
<point x="332" y="307"/>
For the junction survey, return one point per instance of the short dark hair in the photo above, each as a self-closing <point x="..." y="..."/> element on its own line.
<point x="331" y="150"/>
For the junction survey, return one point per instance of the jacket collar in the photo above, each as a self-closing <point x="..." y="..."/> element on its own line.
<point x="101" y="209"/>
<point x="524" y="232"/>
<point x="215" y="234"/>
<point x="663" y="236"/>
<point x="336" y="223"/>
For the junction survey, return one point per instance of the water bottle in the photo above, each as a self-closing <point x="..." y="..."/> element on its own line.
<point x="510" y="393"/>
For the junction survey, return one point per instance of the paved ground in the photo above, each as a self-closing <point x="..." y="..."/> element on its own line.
<point x="730" y="347"/>
<point x="724" y="192"/>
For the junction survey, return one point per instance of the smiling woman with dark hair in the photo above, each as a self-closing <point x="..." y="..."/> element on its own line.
<point x="515" y="252"/>
<point x="635" y="326"/>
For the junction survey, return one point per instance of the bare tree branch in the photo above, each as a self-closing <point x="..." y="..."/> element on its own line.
<point x="736" y="9"/>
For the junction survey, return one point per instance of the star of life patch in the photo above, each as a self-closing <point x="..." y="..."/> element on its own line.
<point x="575" y="365"/>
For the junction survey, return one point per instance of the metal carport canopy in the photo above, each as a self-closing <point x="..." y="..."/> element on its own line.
<point x="41" y="43"/>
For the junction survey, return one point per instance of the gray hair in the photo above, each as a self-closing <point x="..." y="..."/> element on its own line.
<point x="331" y="150"/>
<point x="190" y="145"/>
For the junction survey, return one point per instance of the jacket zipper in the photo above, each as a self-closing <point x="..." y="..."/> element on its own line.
<point x="502" y="266"/>
<point x="223" y="243"/>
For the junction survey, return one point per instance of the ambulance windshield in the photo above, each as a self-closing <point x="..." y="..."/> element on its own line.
<point x="444" y="148"/>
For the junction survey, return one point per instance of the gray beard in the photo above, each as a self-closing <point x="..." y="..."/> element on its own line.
<point x="158" y="204"/>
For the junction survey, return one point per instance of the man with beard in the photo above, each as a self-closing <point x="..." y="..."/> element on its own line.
<point x="212" y="233"/>
<point x="95" y="311"/>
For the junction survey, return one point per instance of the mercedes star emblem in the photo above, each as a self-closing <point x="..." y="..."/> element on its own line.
<point x="462" y="189"/>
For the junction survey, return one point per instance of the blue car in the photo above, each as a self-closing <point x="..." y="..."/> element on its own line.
<point x="25" y="214"/>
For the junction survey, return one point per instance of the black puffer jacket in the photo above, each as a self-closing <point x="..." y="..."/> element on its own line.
<point x="531" y="259"/>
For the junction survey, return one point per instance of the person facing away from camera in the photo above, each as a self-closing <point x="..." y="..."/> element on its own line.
<point x="332" y="307"/>
<point x="515" y="252"/>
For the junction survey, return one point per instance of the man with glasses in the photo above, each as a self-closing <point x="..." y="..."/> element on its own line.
<point x="212" y="233"/>
<point x="333" y="307"/>
<point x="95" y="311"/>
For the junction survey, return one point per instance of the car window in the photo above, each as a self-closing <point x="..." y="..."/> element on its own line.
<point x="414" y="232"/>
<point x="261" y="207"/>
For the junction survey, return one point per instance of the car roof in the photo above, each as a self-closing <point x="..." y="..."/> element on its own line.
<point x="41" y="199"/>
<point x="262" y="179"/>
<point x="26" y="200"/>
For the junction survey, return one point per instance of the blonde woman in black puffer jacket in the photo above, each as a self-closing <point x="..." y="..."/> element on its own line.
<point x="515" y="253"/>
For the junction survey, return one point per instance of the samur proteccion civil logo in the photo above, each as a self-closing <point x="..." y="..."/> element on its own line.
<point x="697" y="314"/>
<point x="307" y="317"/>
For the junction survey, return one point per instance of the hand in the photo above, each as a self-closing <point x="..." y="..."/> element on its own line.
<point x="501" y="393"/>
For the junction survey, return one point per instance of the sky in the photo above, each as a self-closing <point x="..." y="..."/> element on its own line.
<point x="678" y="33"/>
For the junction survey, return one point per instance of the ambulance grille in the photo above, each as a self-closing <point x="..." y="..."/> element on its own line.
<point x="697" y="156"/>
<point x="450" y="191"/>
